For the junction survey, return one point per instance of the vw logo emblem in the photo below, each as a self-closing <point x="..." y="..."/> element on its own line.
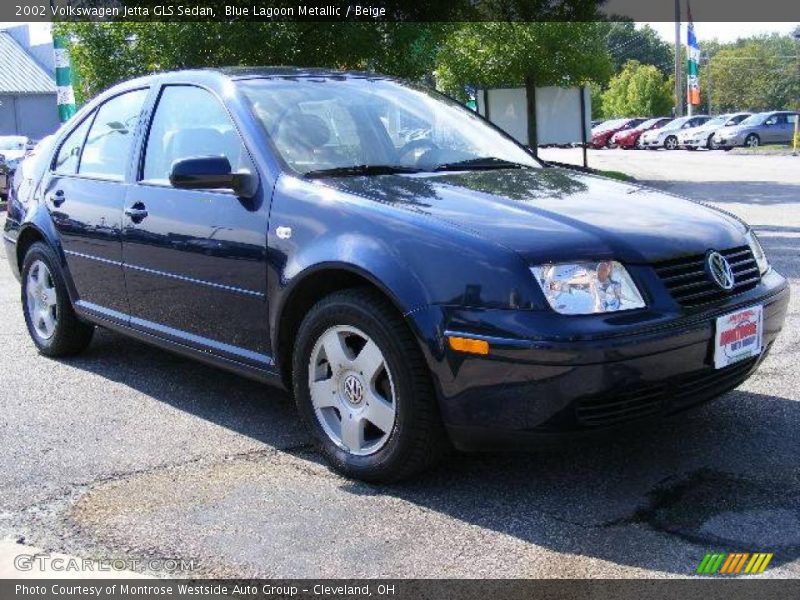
<point x="353" y="389"/>
<point x="720" y="270"/>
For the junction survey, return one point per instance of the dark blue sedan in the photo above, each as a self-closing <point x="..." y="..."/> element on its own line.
<point x="415" y="277"/>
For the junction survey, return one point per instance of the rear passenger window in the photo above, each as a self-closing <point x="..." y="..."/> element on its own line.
<point x="108" y="145"/>
<point x="70" y="152"/>
<point x="190" y="122"/>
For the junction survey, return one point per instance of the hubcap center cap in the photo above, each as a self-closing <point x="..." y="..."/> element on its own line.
<point x="353" y="390"/>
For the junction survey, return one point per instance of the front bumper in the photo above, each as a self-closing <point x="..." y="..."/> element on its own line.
<point x="652" y="143"/>
<point x="728" y="141"/>
<point x="533" y="389"/>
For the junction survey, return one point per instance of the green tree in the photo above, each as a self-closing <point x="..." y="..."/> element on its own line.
<point x="638" y="90"/>
<point x="625" y="42"/>
<point x="495" y="54"/>
<point x="105" y="53"/>
<point x="758" y="73"/>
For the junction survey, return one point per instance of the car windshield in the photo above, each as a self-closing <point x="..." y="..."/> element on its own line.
<point x="13" y="143"/>
<point x="351" y="126"/>
<point x="756" y="119"/>
<point x="676" y="124"/>
<point x="612" y="124"/>
<point x="721" y="120"/>
<point x="647" y="124"/>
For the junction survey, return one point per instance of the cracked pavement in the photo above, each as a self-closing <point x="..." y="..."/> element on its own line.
<point x="128" y="451"/>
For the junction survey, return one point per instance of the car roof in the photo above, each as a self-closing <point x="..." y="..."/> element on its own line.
<point x="238" y="73"/>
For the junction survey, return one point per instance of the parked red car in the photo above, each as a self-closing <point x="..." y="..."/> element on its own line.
<point x="627" y="138"/>
<point x="601" y="135"/>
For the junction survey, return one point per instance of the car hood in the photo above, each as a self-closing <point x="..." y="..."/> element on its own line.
<point x="735" y="129"/>
<point x="554" y="214"/>
<point x="698" y="129"/>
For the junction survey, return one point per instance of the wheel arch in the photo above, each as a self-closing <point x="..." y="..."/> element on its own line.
<point x="29" y="234"/>
<point x="309" y="287"/>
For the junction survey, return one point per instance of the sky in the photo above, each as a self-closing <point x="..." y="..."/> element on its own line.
<point x="724" y="32"/>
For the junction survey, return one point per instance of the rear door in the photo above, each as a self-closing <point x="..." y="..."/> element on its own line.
<point x="195" y="260"/>
<point x="773" y="129"/>
<point x="85" y="193"/>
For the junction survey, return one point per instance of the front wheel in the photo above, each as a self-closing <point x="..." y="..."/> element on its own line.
<point x="712" y="144"/>
<point x="363" y="389"/>
<point x="671" y="143"/>
<point x="52" y="323"/>
<point x="752" y="141"/>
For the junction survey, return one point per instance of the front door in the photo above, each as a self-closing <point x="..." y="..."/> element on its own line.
<point x="195" y="260"/>
<point x="85" y="192"/>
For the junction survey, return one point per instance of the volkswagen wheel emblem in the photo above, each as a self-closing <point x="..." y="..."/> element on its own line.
<point x="353" y="389"/>
<point x="720" y="270"/>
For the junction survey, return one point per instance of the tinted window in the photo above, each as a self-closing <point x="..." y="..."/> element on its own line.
<point x="108" y="144"/>
<point x="177" y="133"/>
<point x="70" y="151"/>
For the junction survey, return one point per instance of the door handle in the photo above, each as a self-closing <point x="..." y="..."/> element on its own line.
<point x="137" y="212"/>
<point x="57" y="198"/>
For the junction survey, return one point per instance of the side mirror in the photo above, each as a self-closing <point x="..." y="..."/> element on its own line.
<point x="210" y="173"/>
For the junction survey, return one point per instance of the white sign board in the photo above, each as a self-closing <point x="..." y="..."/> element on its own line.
<point x="558" y="113"/>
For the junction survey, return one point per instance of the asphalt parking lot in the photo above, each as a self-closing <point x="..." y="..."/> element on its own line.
<point x="127" y="451"/>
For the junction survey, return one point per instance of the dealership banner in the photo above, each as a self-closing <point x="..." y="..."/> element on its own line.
<point x="693" y="66"/>
<point x="393" y="10"/>
<point x="65" y="95"/>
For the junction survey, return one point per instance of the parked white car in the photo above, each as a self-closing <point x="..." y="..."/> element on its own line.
<point x="667" y="136"/>
<point x="12" y="150"/>
<point x="702" y="136"/>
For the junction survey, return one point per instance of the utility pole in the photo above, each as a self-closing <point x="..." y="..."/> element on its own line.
<point x="678" y="65"/>
<point x="708" y="82"/>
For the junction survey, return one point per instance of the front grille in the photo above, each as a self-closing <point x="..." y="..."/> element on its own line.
<point x="653" y="399"/>
<point x="690" y="284"/>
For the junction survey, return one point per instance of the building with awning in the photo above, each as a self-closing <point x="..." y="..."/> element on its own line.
<point x="27" y="85"/>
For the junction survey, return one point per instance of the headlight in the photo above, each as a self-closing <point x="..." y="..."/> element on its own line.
<point x="587" y="288"/>
<point x="758" y="252"/>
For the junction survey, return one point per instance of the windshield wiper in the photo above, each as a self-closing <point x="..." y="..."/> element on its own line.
<point x="482" y="163"/>
<point x="356" y="170"/>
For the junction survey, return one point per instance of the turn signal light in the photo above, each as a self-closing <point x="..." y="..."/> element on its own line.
<point x="468" y="345"/>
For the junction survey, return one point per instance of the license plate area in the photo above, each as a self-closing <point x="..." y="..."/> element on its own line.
<point x="738" y="336"/>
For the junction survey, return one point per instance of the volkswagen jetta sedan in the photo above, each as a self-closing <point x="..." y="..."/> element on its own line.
<point x="413" y="276"/>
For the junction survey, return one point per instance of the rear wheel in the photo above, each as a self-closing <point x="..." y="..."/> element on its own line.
<point x="363" y="389"/>
<point x="671" y="143"/>
<point x="752" y="141"/>
<point x="51" y="320"/>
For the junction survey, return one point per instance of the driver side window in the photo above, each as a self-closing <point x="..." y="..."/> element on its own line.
<point x="190" y="122"/>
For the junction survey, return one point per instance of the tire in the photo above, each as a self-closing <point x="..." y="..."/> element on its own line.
<point x="712" y="145"/>
<point x="52" y="323"/>
<point x="752" y="141"/>
<point x="384" y="449"/>
<point x="671" y="143"/>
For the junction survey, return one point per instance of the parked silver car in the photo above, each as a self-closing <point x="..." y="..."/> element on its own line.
<point x="667" y="136"/>
<point x="703" y="135"/>
<point x="773" y="127"/>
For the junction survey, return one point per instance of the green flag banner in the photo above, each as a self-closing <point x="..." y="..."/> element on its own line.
<point x="65" y="95"/>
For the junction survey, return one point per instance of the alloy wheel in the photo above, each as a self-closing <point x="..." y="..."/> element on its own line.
<point x="42" y="302"/>
<point x="352" y="390"/>
<point x="752" y="141"/>
<point x="671" y="143"/>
